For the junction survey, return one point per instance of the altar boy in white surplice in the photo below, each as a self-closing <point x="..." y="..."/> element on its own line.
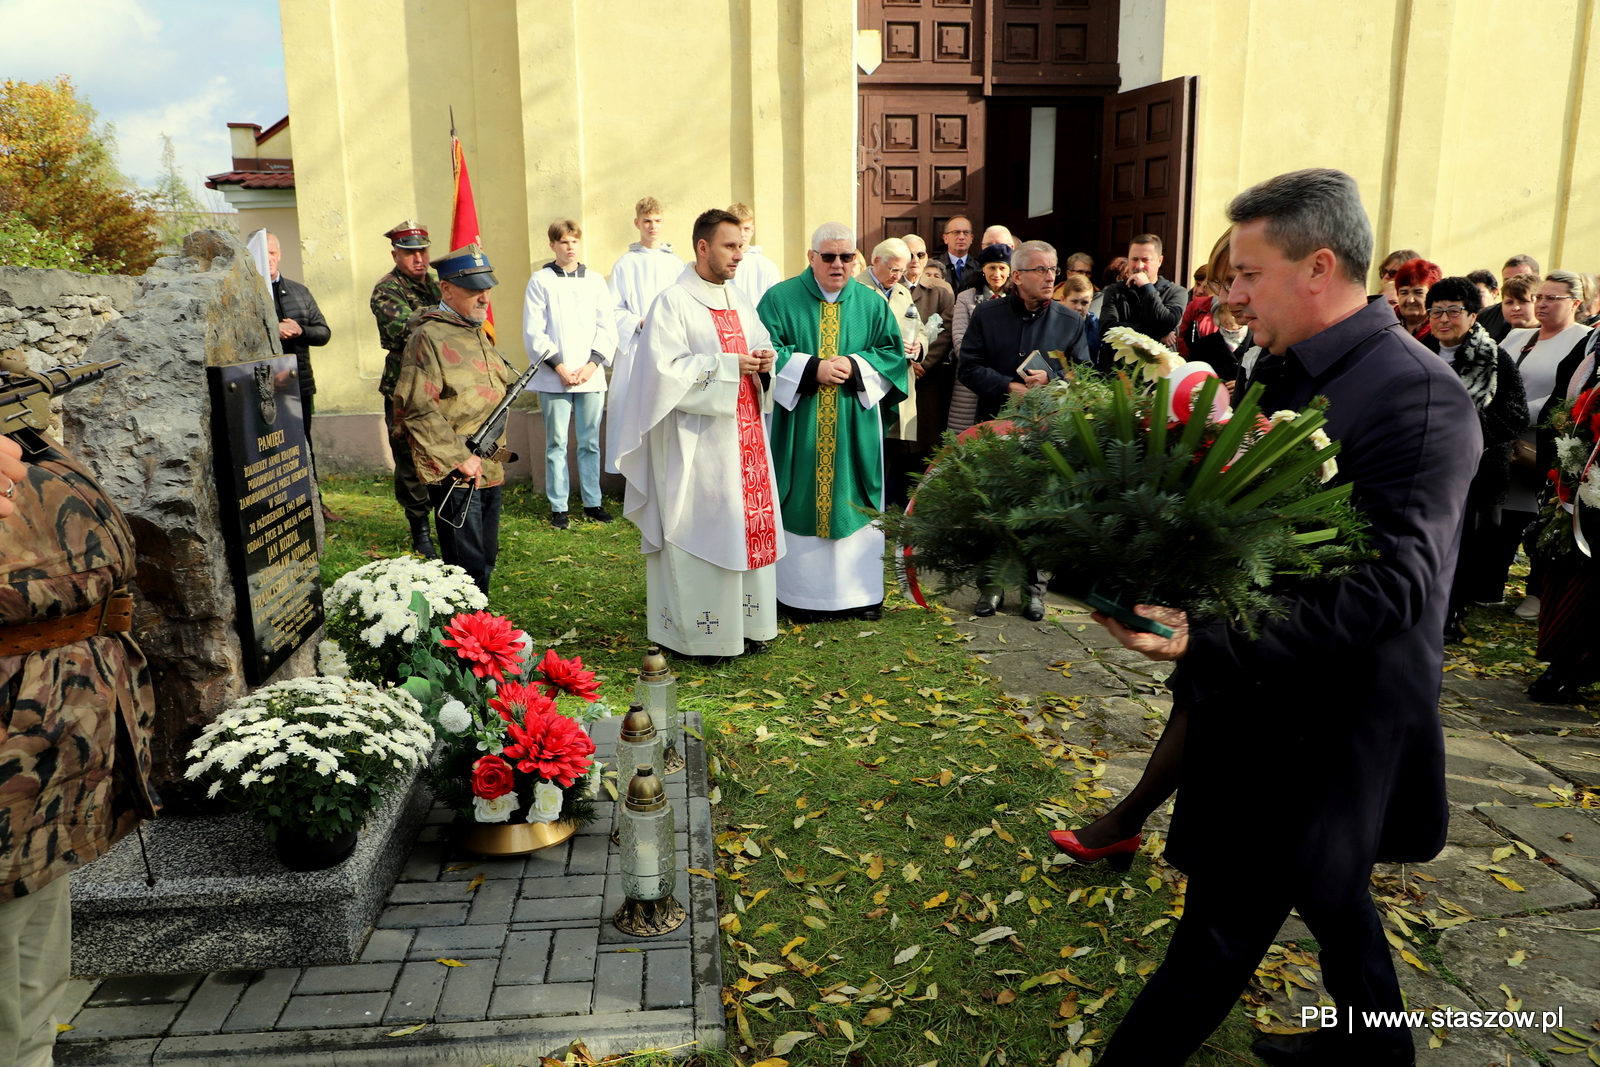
<point x="693" y="447"/>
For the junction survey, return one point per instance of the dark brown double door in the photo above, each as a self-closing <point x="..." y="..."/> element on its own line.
<point x="999" y="133"/>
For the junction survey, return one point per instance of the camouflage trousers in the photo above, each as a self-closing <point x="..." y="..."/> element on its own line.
<point x="35" y="958"/>
<point x="409" y="491"/>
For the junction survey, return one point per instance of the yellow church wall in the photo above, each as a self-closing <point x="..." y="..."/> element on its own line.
<point x="565" y="110"/>
<point x="1469" y="124"/>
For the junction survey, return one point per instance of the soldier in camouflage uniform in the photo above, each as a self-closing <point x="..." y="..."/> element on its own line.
<point x="409" y="288"/>
<point x="75" y="722"/>
<point x="451" y="379"/>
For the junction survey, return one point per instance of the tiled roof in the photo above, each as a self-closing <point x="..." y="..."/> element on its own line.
<point x="253" y="179"/>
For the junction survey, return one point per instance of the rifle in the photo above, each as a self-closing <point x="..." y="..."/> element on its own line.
<point x="25" y="396"/>
<point x="484" y="442"/>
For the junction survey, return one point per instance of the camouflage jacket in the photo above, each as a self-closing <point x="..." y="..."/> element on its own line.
<point x="395" y="299"/>
<point x="451" y="378"/>
<point x="75" y="721"/>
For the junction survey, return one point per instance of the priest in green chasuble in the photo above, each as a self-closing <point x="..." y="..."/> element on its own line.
<point x="840" y="375"/>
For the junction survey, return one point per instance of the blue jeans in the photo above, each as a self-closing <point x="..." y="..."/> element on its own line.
<point x="558" y="409"/>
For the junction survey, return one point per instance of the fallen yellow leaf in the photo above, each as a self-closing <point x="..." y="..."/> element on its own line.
<point x="875" y="868"/>
<point x="877" y="1016"/>
<point x="788" y="1041"/>
<point x="937" y="899"/>
<point x="791" y="946"/>
<point x="476" y="882"/>
<point x="450" y="963"/>
<point x="405" y="1030"/>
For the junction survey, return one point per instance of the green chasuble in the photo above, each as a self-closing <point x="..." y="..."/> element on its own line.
<point x="828" y="450"/>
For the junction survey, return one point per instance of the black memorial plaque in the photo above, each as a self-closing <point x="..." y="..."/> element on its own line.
<point x="264" y="475"/>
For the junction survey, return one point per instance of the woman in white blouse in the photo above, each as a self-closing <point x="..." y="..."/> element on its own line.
<point x="1538" y="353"/>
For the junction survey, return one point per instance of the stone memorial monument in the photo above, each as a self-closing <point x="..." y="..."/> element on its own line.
<point x="148" y="432"/>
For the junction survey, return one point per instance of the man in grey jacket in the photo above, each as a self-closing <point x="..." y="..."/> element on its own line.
<point x="1143" y="300"/>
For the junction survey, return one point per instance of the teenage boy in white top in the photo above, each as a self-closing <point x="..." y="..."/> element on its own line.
<point x="756" y="272"/>
<point x="641" y="273"/>
<point x="569" y="328"/>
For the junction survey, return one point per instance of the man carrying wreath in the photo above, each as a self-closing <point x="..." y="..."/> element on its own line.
<point x="1342" y="691"/>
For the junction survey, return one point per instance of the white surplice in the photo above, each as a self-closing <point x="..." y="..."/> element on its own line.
<point x="701" y="486"/>
<point x="639" y="276"/>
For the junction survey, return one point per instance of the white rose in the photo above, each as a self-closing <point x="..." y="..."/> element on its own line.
<point x="497" y="810"/>
<point x="546" y="806"/>
<point x="455" y="717"/>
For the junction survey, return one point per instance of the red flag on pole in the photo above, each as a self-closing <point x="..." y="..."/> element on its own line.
<point x="464" y="212"/>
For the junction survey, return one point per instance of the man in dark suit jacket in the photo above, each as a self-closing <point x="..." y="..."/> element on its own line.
<point x="936" y="373"/>
<point x="957" y="264"/>
<point x="1143" y="300"/>
<point x="1004" y="333"/>
<point x="1341" y="693"/>
<point x="301" y="327"/>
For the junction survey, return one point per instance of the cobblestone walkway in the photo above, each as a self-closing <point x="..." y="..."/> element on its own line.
<point x="541" y="965"/>
<point x="1530" y="938"/>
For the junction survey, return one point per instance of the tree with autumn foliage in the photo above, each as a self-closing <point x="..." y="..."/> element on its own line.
<point x="57" y="178"/>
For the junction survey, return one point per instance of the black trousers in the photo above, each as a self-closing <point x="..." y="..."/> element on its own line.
<point x="476" y="544"/>
<point x="409" y="491"/>
<point x="1225" y="931"/>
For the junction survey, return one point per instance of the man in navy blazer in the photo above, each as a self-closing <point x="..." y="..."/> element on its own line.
<point x="1335" y="706"/>
<point x="1004" y="333"/>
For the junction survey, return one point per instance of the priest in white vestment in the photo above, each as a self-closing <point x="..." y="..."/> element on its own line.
<point x="693" y="448"/>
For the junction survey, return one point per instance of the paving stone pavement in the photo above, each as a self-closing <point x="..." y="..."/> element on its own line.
<point x="540" y="966"/>
<point x="1532" y="945"/>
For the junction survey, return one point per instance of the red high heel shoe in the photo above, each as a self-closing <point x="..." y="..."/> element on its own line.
<point x="1118" y="856"/>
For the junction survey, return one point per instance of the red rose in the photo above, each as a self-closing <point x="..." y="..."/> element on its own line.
<point x="488" y="643"/>
<point x="568" y="675"/>
<point x="491" y="777"/>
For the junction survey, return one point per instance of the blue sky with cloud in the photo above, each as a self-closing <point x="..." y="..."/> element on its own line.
<point x="185" y="68"/>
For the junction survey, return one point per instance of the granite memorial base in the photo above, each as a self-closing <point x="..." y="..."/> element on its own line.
<point x="222" y="899"/>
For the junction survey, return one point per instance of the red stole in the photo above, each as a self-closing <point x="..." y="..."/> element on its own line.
<point x="760" y="516"/>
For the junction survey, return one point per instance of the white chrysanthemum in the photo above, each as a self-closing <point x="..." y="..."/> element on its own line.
<point x="546" y="806"/>
<point x="1589" y="488"/>
<point x="455" y="717"/>
<point x="331" y="660"/>
<point x="216" y="787"/>
<point x="1571" y="454"/>
<point x="346" y="777"/>
<point x="497" y="810"/>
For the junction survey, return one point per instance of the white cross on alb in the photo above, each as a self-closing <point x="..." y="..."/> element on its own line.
<point x="704" y="381"/>
<point x="750" y="606"/>
<point x="707" y="622"/>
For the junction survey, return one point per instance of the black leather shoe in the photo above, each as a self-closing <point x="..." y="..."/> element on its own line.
<point x="1035" y="609"/>
<point x="597" y="514"/>
<point x="1329" y="1049"/>
<point x="988" y="605"/>
<point x="559" y="520"/>
<point x="1552" y="688"/>
<point x="421" y="541"/>
<point x="754" y="648"/>
<point x="872" y="614"/>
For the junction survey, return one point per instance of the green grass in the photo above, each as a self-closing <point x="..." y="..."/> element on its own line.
<point x="872" y="794"/>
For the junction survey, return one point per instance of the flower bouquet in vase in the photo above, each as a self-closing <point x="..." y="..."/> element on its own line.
<point x="514" y="763"/>
<point x="1139" y="492"/>
<point x="310" y="759"/>
<point x="1572" y="517"/>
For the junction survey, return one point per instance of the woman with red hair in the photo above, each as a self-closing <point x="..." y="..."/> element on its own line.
<point x="1411" y="284"/>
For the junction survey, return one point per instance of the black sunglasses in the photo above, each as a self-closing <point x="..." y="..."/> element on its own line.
<point x="831" y="257"/>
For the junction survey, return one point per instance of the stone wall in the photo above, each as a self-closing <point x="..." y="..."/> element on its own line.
<point x="145" y="431"/>
<point x="48" y="317"/>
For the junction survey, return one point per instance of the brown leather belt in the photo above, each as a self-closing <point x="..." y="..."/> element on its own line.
<point x="113" y="616"/>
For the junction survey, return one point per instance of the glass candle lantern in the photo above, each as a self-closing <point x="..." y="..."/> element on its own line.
<point x="639" y="743"/>
<point x="657" y="693"/>
<point x="649" y="862"/>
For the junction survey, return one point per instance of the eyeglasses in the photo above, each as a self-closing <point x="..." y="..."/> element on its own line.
<point x="1544" y="298"/>
<point x="958" y="233"/>
<point x="1446" y="313"/>
<point x="831" y="257"/>
<point x="1054" y="272"/>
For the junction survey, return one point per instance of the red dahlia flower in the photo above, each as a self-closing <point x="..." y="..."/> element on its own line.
<point x="568" y="675"/>
<point x="550" y="745"/>
<point x="513" y="697"/>
<point x="491" y="777"/>
<point x="487" y="642"/>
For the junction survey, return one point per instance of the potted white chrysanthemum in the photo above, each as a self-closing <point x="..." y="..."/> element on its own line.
<point x="371" y="624"/>
<point x="310" y="759"/>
